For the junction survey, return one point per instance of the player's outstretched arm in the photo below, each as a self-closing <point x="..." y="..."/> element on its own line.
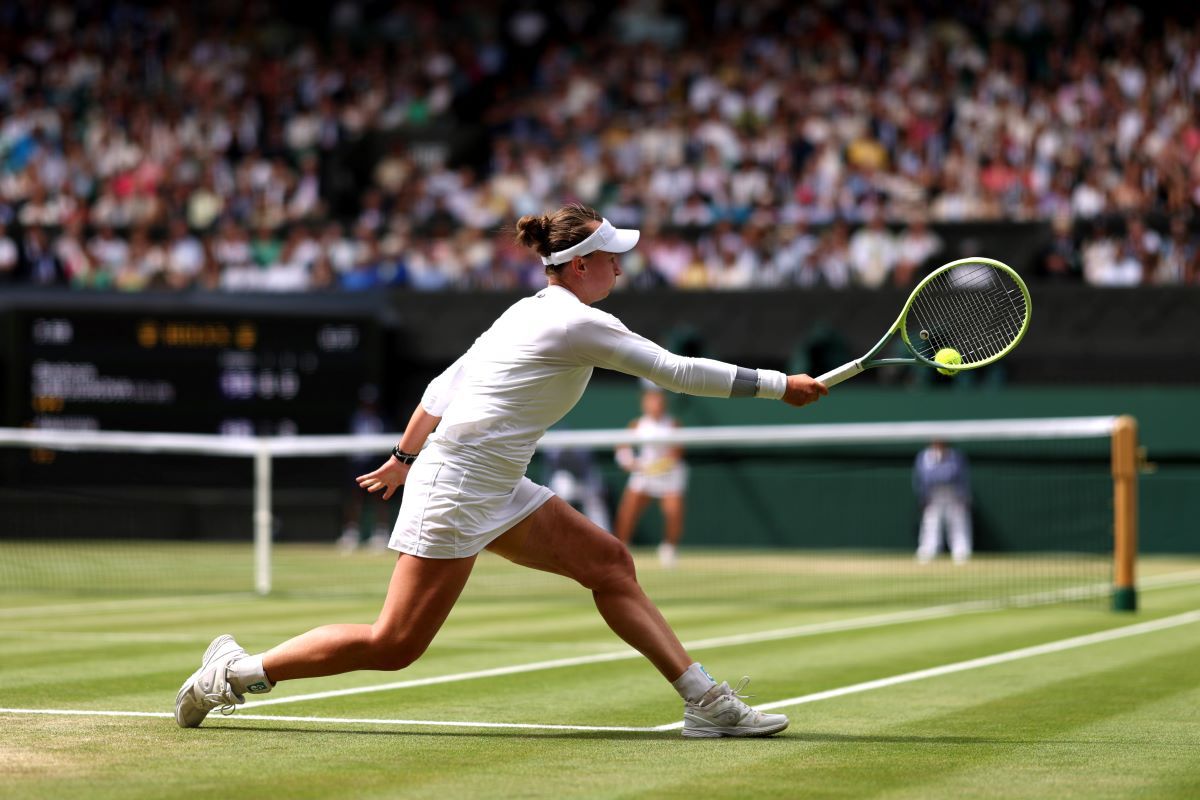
<point x="802" y="390"/>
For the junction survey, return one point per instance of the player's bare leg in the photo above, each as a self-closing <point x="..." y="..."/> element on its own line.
<point x="421" y="593"/>
<point x="420" y="596"/>
<point x="557" y="538"/>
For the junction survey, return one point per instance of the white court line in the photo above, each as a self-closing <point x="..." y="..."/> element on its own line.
<point x="812" y="629"/>
<point x="1059" y="646"/>
<point x="1186" y="618"/>
<point x="799" y="631"/>
<point x="1169" y="579"/>
<point x="1165" y="580"/>
<point x="116" y="605"/>
<point x="338" y="720"/>
<point x="1155" y="581"/>
<point x="103" y="636"/>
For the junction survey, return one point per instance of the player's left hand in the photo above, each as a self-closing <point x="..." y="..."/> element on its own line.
<point x="389" y="477"/>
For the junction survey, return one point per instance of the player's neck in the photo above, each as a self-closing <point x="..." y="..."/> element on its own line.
<point x="554" y="281"/>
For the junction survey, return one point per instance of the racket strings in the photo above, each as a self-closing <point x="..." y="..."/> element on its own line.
<point x="971" y="319"/>
<point x="976" y="313"/>
<point x="974" y="308"/>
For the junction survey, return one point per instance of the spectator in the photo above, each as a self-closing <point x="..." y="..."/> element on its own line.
<point x="41" y="266"/>
<point x="1108" y="261"/>
<point x="1129" y="268"/>
<point x="1059" y="261"/>
<point x="185" y="256"/>
<point x="873" y="253"/>
<point x="1143" y="245"/>
<point x="1179" y="260"/>
<point x="895" y="115"/>
<point x="833" y="256"/>
<point x="916" y="249"/>
<point x="9" y="256"/>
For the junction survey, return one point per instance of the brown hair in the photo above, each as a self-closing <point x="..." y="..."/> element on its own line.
<point x="552" y="233"/>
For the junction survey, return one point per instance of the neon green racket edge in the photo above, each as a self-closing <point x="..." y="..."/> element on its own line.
<point x="977" y="306"/>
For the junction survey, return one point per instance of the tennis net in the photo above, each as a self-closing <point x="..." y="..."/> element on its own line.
<point x="800" y="515"/>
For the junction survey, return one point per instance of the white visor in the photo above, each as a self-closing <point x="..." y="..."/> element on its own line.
<point x="605" y="237"/>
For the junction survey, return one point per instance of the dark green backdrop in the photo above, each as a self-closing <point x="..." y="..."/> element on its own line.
<point x="1060" y="498"/>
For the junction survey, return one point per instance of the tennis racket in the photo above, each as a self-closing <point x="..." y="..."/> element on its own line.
<point x="977" y="306"/>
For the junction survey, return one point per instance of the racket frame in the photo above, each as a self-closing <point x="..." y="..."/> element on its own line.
<point x="868" y="361"/>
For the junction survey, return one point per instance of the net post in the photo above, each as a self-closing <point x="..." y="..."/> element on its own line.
<point x="262" y="519"/>
<point x="1124" y="473"/>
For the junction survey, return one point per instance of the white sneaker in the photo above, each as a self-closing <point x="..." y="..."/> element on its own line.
<point x="378" y="543"/>
<point x="721" y="712"/>
<point x="666" y="555"/>
<point x="348" y="541"/>
<point x="209" y="688"/>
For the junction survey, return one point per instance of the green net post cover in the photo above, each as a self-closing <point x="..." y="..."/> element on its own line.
<point x="1124" y="599"/>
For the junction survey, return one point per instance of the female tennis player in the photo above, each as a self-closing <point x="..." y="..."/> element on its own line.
<point x="462" y="461"/>
<point x="655" y="471"/>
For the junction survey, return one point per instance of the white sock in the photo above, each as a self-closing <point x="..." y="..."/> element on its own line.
<point x="693" y="683"/>
<point x="247" y="675"/>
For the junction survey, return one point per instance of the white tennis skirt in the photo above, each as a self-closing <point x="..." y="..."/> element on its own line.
<point x="450" y="511"/>
<point x="661" y="484"/>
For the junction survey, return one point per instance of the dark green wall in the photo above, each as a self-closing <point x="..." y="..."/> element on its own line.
<point x="822" y="499"/>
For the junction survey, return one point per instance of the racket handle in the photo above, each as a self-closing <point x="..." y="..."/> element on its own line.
<point x="836" y="376"/>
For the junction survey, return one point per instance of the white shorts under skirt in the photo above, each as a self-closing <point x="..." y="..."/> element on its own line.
<point x="449" y="513"/>
<point x="673" y="481"/>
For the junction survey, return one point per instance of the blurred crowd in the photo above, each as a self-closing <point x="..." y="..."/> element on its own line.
<point x="760" y="143"/>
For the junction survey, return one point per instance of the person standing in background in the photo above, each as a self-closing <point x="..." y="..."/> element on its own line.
<point x="571" y="473"/>
<point x="655" y="471"/>
<point x="363" y="512"/>
<point x="941" y="480"/>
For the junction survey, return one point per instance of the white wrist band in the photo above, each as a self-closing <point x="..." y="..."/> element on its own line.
<point x="771" y="384"/>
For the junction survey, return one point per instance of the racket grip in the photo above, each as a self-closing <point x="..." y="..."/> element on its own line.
<point x="836" y="376"/>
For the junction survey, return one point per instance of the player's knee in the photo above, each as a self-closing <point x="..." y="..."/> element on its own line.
<point x="609" y="567"/>
<point x="392" y="653"/>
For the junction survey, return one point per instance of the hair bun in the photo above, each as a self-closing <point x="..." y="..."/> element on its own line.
<point x="534" y="232"/>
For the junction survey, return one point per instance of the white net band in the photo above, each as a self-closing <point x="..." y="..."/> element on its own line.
<point x="716" y="436"/>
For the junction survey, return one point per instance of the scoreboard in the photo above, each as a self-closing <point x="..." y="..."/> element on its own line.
<point x="234" y="374"/>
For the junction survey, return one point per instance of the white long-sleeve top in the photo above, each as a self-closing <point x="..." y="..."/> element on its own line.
<point x="530" y="368"/>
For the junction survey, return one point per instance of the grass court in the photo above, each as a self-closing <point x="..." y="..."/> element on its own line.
<point x="899" y="680"/>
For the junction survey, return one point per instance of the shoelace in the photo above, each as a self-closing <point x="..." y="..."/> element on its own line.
<point x="736" y="691"/>
<point x="226" y="702"/>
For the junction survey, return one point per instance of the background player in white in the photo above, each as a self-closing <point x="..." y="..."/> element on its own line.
<point x="941" y="479"/>
<point x="475" y="431"/>
<point x="655" y="471"/>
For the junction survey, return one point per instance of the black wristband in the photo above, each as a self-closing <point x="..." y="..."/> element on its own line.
<point x="403" y="457"/>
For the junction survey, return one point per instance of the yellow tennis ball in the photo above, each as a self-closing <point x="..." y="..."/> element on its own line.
<point x="948" y="355"/>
